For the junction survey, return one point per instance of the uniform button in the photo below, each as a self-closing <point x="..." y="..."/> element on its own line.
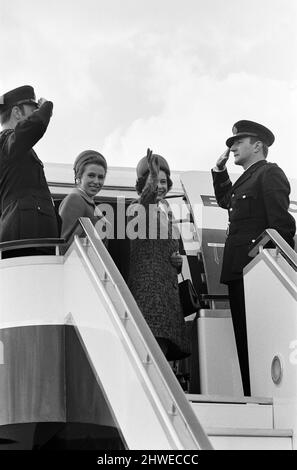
<point x="244" y="196"/>
<point x="38" y="207"/>
<point x="232" y="195"/>
<point x="231" y="209"/>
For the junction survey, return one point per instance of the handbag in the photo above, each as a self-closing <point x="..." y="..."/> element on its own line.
<point x="188" y="297"/>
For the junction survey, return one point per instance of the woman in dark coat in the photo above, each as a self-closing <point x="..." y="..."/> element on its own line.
<point x="154" y="258"/>
<point x="90" y="169"/>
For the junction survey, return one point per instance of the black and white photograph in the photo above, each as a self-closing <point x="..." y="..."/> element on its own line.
<point x="148" y="208"/>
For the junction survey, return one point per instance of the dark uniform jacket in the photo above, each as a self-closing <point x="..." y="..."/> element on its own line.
<point x="258" y="200"/>
<point x="26" y="206"/>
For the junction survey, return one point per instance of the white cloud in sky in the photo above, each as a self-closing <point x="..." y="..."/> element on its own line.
<point x="196" y="138"/>
<point x="174" y="75"/>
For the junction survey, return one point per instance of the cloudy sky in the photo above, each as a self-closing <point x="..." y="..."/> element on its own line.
<point x="173" y="75"/>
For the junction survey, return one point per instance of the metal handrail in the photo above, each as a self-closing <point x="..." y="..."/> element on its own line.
<point x="271" y="235"/>
<point x="153" y="351"/>
<point x="31" y="243"/>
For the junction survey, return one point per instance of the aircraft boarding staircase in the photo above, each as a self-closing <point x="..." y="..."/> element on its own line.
<point x="232" y="420"/>
<point x="46" y="299"/>
<point x="83" y="290"/>
<point x="235" y="416"/>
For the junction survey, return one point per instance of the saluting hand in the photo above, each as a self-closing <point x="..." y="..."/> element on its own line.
<point x="41" y="101"/>
<point x="222" y="160"/>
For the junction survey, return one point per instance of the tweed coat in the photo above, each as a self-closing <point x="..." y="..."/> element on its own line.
<point x="258" y="200"/>
<point x="79" y="204"/>
<point x="26" y="206"/>
<point x="153" y="279"/>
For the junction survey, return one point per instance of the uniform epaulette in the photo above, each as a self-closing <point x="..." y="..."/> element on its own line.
<point x="5" y="132"/>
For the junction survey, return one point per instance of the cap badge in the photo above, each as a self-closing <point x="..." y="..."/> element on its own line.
<point x="234" y="130"/>
<point x="2" y="99"/>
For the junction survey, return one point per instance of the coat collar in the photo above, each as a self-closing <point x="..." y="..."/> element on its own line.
<point x="84" y="196"/>
<point x="248" y="173"/>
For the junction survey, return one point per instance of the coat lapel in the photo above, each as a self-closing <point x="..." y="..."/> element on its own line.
<point x="247" y="174"/>
<point x="36" y="158"/>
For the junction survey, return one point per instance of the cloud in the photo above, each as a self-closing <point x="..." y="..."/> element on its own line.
<point x="175" y="75"/>
<point x="198" y="115"/>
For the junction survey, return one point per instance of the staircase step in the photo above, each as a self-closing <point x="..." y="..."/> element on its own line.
<point x="250" y="439"/>
<point x="246" y="415"/>
<point x="238" y="423"/>
<point x="234" y="412"/>
<point x="228" y="399"/>
<point x="244" y="432"/>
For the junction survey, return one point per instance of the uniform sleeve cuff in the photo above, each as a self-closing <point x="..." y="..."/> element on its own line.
<point x="217" y="170"/>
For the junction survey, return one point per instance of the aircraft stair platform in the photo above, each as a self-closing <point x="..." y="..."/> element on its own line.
<point x="245" y="423"/>
<point x="75" y="349"/>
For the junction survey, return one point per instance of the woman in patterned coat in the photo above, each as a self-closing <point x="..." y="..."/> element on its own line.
<point x="154" y="258"/>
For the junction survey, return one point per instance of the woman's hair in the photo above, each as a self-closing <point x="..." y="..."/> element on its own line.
<point x="86" y="158"/>
<point x="140" y="182"/>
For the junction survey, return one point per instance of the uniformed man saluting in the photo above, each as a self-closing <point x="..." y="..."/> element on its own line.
<point x="258" y="200"/>
<point x="26" y="206"/>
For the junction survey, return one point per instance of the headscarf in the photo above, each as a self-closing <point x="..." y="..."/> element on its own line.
<point x="143" y="168"/>
<point x="86" y="157"/>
